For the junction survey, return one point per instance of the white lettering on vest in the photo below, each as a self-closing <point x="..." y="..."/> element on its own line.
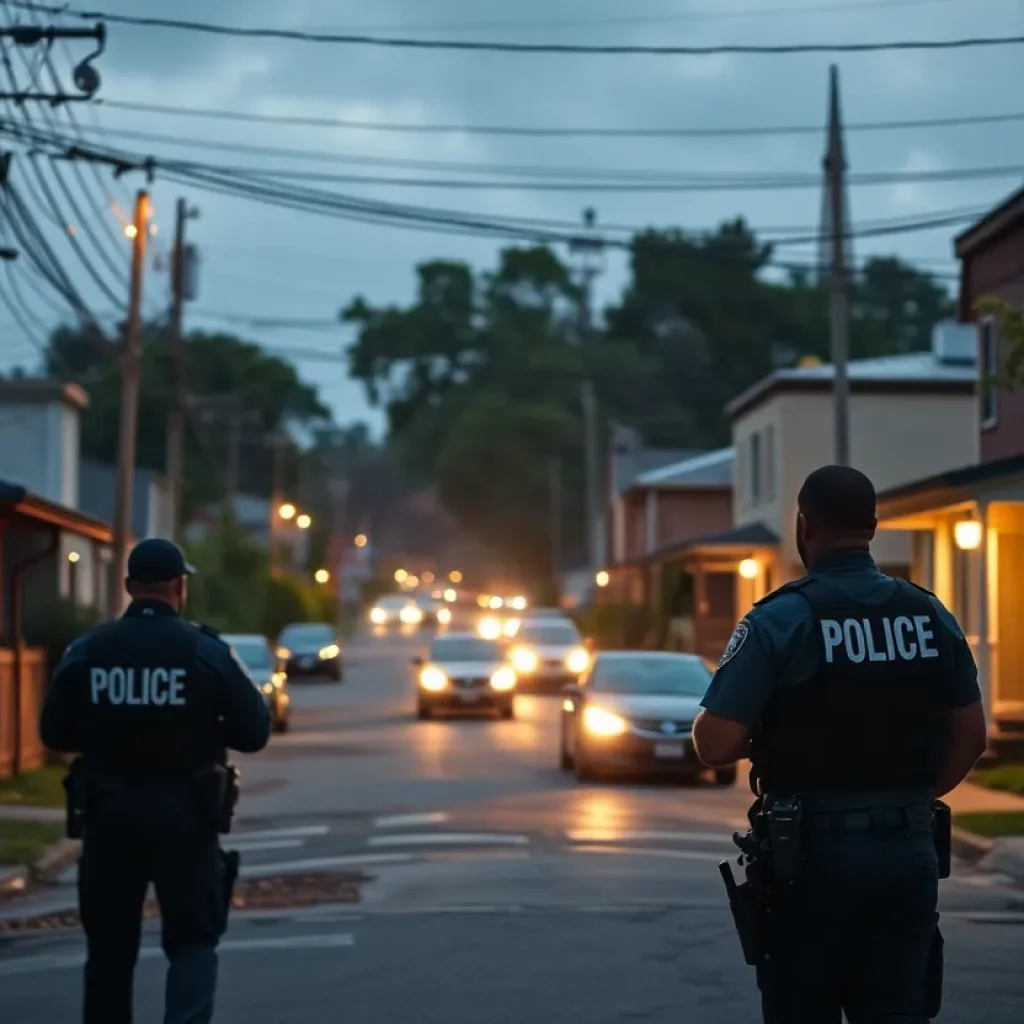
<point x="147" y="686"/>
<point x="905" y="639"/>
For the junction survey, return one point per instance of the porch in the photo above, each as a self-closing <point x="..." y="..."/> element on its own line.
<point x="968" y="547"/>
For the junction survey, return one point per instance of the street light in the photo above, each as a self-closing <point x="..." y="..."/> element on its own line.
<point x="455" y="576"/>
<point x="73" y="556"/>
<point x="428" y="577"/>
<point x="361" y="540"/>
<point x="304" y="522"/>
<point x="322" y="576"/>
<point x="602" y="579"/>
<point x="401" y="575"/>
<point x="287" y="511"/>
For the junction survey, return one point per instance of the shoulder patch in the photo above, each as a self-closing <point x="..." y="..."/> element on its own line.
<point x="736" y="641"/>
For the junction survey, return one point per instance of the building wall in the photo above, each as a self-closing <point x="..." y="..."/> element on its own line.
<point x="893" y="438"/>
<point x="31" y="435"/>
<point x="676" y="516"/>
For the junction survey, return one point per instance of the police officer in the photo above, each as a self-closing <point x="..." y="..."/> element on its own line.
<point x="151" y="702"/>
<point x="856" y="694"/>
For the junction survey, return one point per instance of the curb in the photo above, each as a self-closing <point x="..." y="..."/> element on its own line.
<point x="969" y="847"/>
<point x="56" y="859"/>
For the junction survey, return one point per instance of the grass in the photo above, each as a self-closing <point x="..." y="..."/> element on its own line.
<point x="992" y="824"/>
<point x="1008" y="778"/>
<point x="22" y="841"/>
<point x="41" y="788"/>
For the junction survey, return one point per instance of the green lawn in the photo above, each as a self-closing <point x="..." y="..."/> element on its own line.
<point x="40" y="788"/>
<point x="992" y="824"/>
<point x="22" y="841"/>
<point x="1007" y="777"/>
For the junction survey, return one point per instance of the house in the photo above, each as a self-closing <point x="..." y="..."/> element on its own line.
<point x="968" y="522"/>
<point x="152" y="515"/>
<point x="909" y="414"/>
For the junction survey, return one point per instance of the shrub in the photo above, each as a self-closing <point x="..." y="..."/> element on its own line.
<point x="619" y="626"/>
<point x="55" y="625"/>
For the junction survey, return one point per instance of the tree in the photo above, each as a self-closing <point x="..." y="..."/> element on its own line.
<point x="1011" y="330"/>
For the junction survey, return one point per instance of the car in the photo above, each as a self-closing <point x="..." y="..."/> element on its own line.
<point x="545" y="613"/>
<point x="497" y="625"/>
<point x="634" y="710"/>
<point x="435" y="610"/>
<point x="310" y="649"/>
<point x="254" y="651"/>
<point x="465" y="672"/>
<point x="396" y="610"/>
<point x="548" y="653"/>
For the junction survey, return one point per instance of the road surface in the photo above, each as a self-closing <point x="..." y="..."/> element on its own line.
<point x="504" y="892"/>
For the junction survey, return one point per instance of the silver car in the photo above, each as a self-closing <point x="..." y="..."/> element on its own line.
<point x="465" y="672"/>
<point x="548" y="653"/>
<point x="258" y="657"/>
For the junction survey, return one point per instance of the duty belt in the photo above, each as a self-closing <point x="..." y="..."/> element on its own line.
<point x="871" y="819"/>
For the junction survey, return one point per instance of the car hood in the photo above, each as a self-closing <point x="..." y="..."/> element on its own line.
<point x="670" y="707"/>
<point x="467" y="669"/>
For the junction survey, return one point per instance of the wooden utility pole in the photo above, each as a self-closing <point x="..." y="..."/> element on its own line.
<point x="555" y="514"/>
<point x="839" y="281"/>
<point x="131" y="375"/>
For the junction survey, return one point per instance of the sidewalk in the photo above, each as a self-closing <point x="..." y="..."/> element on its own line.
<point x="1002" y="856"/>
<point x="15" y="878"/>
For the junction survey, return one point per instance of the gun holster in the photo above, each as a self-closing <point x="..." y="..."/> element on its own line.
<point x="942" y="833"/>
<point x="217" y="792"/>
<point x="76" y="799"/>
<point x="746" y="915"/>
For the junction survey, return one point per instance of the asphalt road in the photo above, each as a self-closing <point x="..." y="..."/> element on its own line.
<point x="504" y="892"/>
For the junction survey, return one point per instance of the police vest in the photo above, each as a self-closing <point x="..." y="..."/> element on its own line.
<point x="872" y="717"/>
<point x="150" y="708"/>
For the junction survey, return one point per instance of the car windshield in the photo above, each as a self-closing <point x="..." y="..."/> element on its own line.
<point x="395" y="601"/>
<point x="548" y="633"/>
<point x="307" y="633"/>
<point x="683" y="677"/>
<point x="253" y="651"/>
<point x="465" y="648"/>
<point x="426" y="601"/>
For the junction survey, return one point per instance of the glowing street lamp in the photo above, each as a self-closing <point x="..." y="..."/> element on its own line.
<point x="304" y="522"/>
<point x="401" y="575"/>
<point x="73" y="556"/>
<point x="602" y="579"/>
<point x="361" y="540"/>
<point x="322" y="576"/>
<point x="455" y="576"/>
<point x="287" y="511"/>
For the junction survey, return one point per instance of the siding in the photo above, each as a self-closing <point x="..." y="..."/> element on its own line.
<point x="30" y="449"/>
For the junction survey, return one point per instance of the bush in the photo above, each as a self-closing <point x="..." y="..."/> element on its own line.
<point x="55" y="625"/>
<point x="619" y="626"/>
<point x="286" y="600"/>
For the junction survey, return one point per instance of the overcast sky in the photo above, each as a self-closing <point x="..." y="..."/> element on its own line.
<point x="265" y="262"/>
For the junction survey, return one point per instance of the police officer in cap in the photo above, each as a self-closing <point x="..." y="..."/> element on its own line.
<point x="150" y="702"/>
<point x="856" y="697"/>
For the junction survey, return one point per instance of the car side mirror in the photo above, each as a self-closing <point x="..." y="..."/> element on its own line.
<point x="417" y="661"/>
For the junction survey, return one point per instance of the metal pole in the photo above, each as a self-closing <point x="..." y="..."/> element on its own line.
<point x="131" y="373"/>
<point x="839" y="285"/>
<point x="176" y="420"/>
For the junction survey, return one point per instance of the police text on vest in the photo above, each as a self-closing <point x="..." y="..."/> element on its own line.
<point x="132" y="685"/>
<point x="884" y="639"/>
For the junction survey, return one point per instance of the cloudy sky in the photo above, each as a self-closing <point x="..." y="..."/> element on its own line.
<point x="263" y="262"/>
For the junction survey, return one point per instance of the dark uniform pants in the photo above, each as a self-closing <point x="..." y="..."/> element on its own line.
<point x="857" y="933"/>
<point x="134" y="836"/>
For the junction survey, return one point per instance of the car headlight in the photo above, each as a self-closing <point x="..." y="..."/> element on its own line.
<point x="600" y="722"/>
<point x="283" y="652"/>
<point x="489" y="628"/>
<point x="433" y="679"/>
<point x="330" y="651"/>
<point x="511" y="627"/>
<point x="267" y="688"/>
<point x="278" y="679"/>
<point x="444" y="616"/>
<point x="577" y="660"/>
<point x="504" y="679"/>
<point x="518" y="603"/>
<point x="523" y="659"/>
<point x="378" y="616"/>
<point x="411" y="615"/>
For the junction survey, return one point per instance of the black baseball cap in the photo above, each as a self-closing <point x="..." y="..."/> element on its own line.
<point x="157" y="560"/>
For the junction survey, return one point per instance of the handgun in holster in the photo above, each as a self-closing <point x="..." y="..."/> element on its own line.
<point x="76" y="799"/>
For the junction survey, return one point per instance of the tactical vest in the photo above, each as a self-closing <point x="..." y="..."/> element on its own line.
<point x="150" y="711"/>
<point x="872" y="717"/>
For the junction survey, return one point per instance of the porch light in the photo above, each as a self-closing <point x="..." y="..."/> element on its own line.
<point x="748" y="568"/>
<point x="73" y="556"/>
<point x="967" y="534"/>
<point x="602" y="579"/>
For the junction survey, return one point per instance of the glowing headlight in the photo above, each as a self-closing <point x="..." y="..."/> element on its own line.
<point x="603" y="723"/>
<point x="577" y="660"/>
<point x="330" y="651"/>
<point x="433" y="679"/>
<point x="511" y="627"/>
<point x="378" y="616"/>
<point x="518" y="603"/>
<point x="495" y="603"/>
<point x="523" y="659"/>
<point x="504" y="679"/>
<point x="278" y="679"/>
<point x="444" y="616"/>
<point x="489" y="628"/>
<point x="267" y="688"/>
<point x="411" y="615"/>
<point x="283" y="652"/>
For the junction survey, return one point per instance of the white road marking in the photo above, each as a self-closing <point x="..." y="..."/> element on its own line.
<point x="269" y="844"/>
<point x="411" y="820"/>
<point x="450" y="839"/>
<point x="639" y="851"/>
<point x="42" y="963"/>
<point x="299" y="832"/>
<point x="293" y="867"/>
<point x="986" y="917"/>
<point x="588" y="835"/>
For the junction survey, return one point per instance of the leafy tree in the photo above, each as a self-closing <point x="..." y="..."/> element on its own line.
<point x="1011" y="330"/>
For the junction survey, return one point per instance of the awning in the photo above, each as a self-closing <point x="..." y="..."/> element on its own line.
<point x="740" y="540"/>
<point x="17" y="502"/>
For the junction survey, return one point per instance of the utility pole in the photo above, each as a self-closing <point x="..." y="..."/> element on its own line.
<point x="836" y="232"/>
<point x="234" y="470"/>
<point x="131" y="373"/>
<point x="176" y="420"/>
<point x="555" y="513"/>
<point x="276" y="495"/>
<point x="589" y="248"/>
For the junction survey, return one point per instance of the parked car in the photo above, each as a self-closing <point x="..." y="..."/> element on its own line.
<point x="464" y="672"/>
<point x="396" y="610"/>
<point x="257" y="655"/>
<point x="310" y="649"/>
<point x="548" y="653"/>
<point x="634" y="710"/>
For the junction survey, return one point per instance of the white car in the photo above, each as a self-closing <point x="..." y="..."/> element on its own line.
<point x="548" y="653"/>
<point x="464" y="672"/>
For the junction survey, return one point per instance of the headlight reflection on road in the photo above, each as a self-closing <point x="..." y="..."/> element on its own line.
<point x="433" y="679"/>
<point x="600" y="722"/>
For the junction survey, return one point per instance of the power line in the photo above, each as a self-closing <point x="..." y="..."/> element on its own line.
<point x="495" y="46"/>
<point x="535" y="131"/>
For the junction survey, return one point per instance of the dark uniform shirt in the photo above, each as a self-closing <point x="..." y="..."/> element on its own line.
<point x="775" y="646"/>
<point x="153" y="694"/>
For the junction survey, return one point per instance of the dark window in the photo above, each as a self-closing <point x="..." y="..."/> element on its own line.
<point x="465" y="649"/>
<point x="679" y="676"/>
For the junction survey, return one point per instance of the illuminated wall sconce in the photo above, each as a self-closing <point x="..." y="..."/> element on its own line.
<point x="967" y="534"/>
<point x="748" y="568"/>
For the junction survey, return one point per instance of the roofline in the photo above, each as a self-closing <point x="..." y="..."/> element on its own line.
<point x="18" y="501"/>
<point x="39" y="391"/>
<point x="773" y="384"/>
<point x="1003" y="217"/>
<point x="712" y="458"/>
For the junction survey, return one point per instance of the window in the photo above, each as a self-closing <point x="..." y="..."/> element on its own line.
<point x="989" y="366"/>
<point x="755" y="467"/>
<point x="769" y="463"/>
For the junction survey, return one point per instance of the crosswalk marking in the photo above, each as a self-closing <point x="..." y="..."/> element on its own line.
<point x="267" y="844"/>
<point x="595" y="835"/>
<point x="411" y="820"/>
<point x="298" y="832"/>
<point x="450" y="839"/>
<point x="323" y="864"/>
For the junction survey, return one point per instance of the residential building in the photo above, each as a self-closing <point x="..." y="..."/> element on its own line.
<point x="968" y="522"/>
<point x="152" y="514"/>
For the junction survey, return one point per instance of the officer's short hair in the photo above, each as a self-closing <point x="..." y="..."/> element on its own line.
<point x="839" y="498"/>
